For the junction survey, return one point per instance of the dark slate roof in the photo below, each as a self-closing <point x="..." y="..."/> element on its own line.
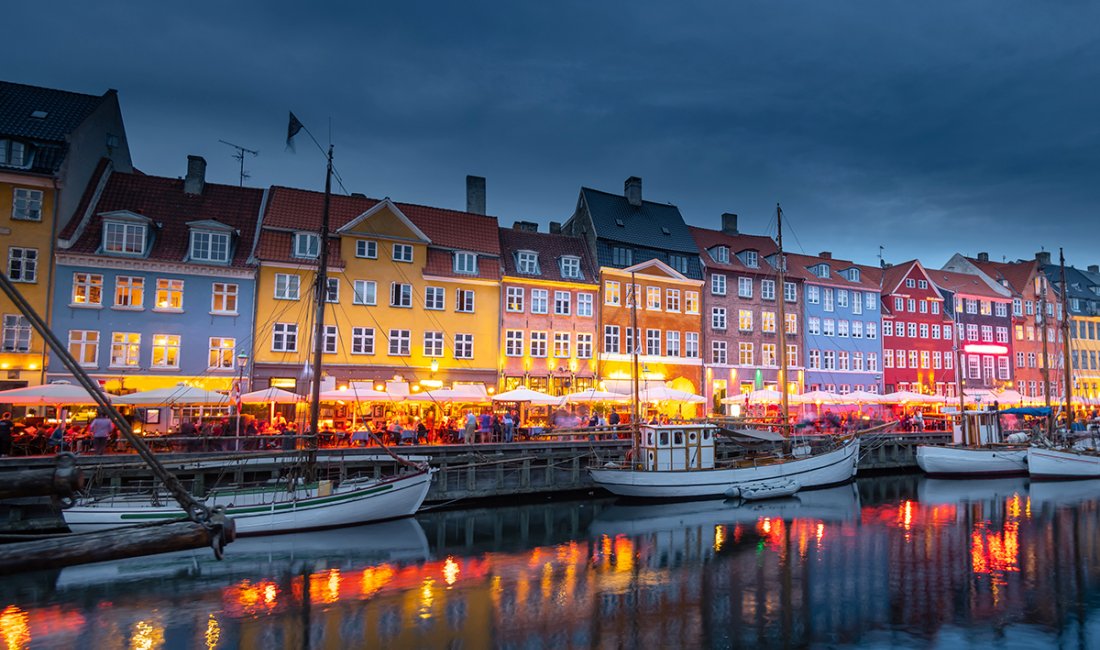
<point x="550" y="247"/>
<point x="64" y="113"/>
<point x="642" y="226"/>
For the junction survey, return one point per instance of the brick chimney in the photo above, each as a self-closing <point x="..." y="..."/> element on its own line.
<point x="475" y="194"/>
<point x="555" y="227"/>
<point x="826" y="255"/>
<point x="729" y="223"/>
<point x="195" y="180"/>
<point x="632" y="189"/>
<point x="525" y="226"/>
<point x="1094" y="268"/>
<point x="1043" y="257"/>
<point x="983" y="257"/>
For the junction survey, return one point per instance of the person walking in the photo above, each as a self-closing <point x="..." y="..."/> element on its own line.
<point x="101" y="428"/>
<point x="7" y="429"/>
<point x="509" y="426"/>
<point x="471" y="427"/>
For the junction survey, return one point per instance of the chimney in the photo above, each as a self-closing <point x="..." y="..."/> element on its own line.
<point x="525" y="226"/>
<point x="632" y="188"/>
<point x="983" y="257"/>
<point x="555" y="227"/>
<point x="729" y="223"/>
<point x="1043" y="257"/>
<point x="1094" y="268"/>
<point x="826" y="255"/>
<point x="196" y="175"/>
<point x="475" y="194"/>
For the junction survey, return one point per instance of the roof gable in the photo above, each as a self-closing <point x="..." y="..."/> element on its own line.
<point x="656" y="267"/>
<point x="651" y="225"/>
<point x="385" y="219"/>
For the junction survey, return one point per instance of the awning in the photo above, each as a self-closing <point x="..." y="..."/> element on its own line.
<point x="759" y="434"/>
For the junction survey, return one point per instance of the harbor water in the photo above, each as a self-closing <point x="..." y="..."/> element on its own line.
<point x="885" y="562"/>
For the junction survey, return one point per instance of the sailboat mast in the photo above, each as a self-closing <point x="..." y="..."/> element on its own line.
<point x="781" y="296"/>
<point x="319" y="314"/>
<point x="1041" y="321"/>
<point x="634" y="348"/>
<point x="1065" y="342"/>
<point x="958" y="370"/>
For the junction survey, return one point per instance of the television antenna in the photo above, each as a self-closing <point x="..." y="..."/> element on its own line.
<point x="240" y="156"/>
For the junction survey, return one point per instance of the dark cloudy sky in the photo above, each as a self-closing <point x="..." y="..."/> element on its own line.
<point x="926" y="127"/>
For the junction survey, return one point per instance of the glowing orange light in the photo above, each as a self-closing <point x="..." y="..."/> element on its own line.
<point x="450" y="571"/>
<point x="984" y="348"/>
<point x="213" y="633"/>
<point x="375" y="578"/>
<point x="14" y="627"/>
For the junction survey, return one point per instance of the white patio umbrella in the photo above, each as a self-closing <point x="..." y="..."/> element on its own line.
<point x="594" y="395"/>
<point x="755" y="397"/>
<point x="822" y="396"/>
<point x="862" y="397"/>
<point x="55" y="394"/>
<point x="666" y="394"/>
<point x="358" y="395"/>
<point x="908" y="397"/>
<point x="178" y="394"/>
<point x="271" y="395"/>
<point x="524" y="394"/>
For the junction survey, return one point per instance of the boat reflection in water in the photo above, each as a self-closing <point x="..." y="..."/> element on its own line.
<point x="887" y="561"/>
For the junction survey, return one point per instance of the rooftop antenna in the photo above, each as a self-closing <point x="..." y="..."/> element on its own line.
<point x="240" y="156"/>
<point x="881" y="261"/>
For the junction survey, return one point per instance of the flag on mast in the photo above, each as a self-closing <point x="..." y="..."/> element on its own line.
<point x="292" y="129"/>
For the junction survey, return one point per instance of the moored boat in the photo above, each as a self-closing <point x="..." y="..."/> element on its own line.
<point x="1045" y="463"/>
<point x="976" y="462"/>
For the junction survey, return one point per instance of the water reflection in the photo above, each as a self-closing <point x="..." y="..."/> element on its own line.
<point x="888" y="561"/>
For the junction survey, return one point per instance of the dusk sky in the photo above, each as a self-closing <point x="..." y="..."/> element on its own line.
<point x="928" y="128"/>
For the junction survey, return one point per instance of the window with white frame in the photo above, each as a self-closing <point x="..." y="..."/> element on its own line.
<point x="402" y="253"/>
<point x="721" y="255"/>
<point x="464" y="301"/>
<point x="870" y="300"/>
<point x="307" y="245"/>
<point x="124" y="238"/>
<point x="857" y="302"/>
<point x="464" y="346"/>
<point x="332" y="290"/>
<point x="937" y="360"/>
<point x="719" y="352"/>
<point x="16" y="333"/>
<point x="745" y="354"/>
<point x="767" y="289"/>
<point x="842" y="297"/>
<point x="718" y="318"/>
<point x="514" y="297"/>
<point x="899" y="304"/>
<point x="792" y="355"/>
<point x="287" y="286"/>
<point x="672" y="343"/>
<point x="691" y="345"/>
<point x="365" y="292"/>
<point x="792" y="323"/>
<point x="872" y="330"/>
<point x="207" y="246"/>
<point x="987" y="333"/>
<point x="84" y="347"/>
<point x="570" y="267"/>
<point x="842" y="328"/>
<point x="87" y="289"/>
<point x="718" y="284"/>
<point x="223" y="298"/>
<point x="935" y="331"/>
<point x="813" y="325"/>
<point x="540" y="301"/>
<point x="563" y="302"/>
<point x="434" y="298"/>
<point x="911" y="305"/>
<point x="653" y="342"/>
<point x="366" y="248"/>
<point x="872" y="364"/>
<point x="924" y="306"/>
<point x="828" y="327"/>
<point x="527" y="262"/>
<point x="844" y="360"/>
<point x="925" y="358"/>
<point x="912" y="330"/>
<point x="1000" y="309"/>
<point x="129" y="292"/>
<point x="284" y="337"/>
<point x="691" y="302"/>
<point x="611" y="339"/>
<point x="767" y="355"/>
<point x="828" y="360"/>
<point x="887" y="359"/>
<point x="125" y="349"/>
<point x="653" y="298"/>
<point x="538" y="344"/>
<point x="169" y="295"/>
<point x="562" y="345"/>
<point x="400" y="295"/>
<point x="857" y="329"/>
<point x="400" y="343"/>
<point x="790" y="293"/>
<point x="220" y="353"/>
<point x="584" y="345"/>
<point x="22" y="264"/>
<point x="1002" y="368"/>
<point x="166" y="351"/>
<point x="362" y="340"/>
<point x="813" y="294"/>
<point x="584" y="305"/>
<point x="433" y="344"/>
<point x="513" y="343"/>
<point x="14" y="154"/>
<point x="744" y="320"/>
<point x="752" y="260"/>
<point x="26" y="204"/>
<point x="611" y="295"/>
<point x="465" y="263"/>
<point x="331" y="342"/>
<point x="814" y="361"/>
<point x="767" y="322"/>
<point x="1002" y="335"/>
<point x="887" y="328"/>
<point x="744" y="288"/>
<point x="857" y="361"/>
<point x="924" y="330"/>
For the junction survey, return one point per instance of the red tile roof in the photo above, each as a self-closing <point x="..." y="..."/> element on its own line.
<point x="164" y="202"/>
<point x="1018" y="274"/>
<point x="550" y="248"/>
<point x="706" y="238"/>
<point x="963" y="283"/>
<point x="441" y="263"/>
<point x="296" y="209"/>
<point x="798" y="266"/>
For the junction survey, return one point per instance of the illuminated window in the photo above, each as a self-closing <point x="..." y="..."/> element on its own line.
<point x="514" y="299"/>
<point x="745" y="354"/>
<point x="767" y="355"/>
<point x="767" y="321"/>
<point x="125" y="349"/>
<point x="87" y="289"/>
<point x="84" y="346"/>
<point x="562" y="345"/>
<point x="169" y="296"/>
<point x="129" y="292"/>
<point x="223" y="298"/>
<point x="691" y="302"/>
<point x="220" y="356"/>
<point x="744" y="320"/>
<point x="611" y="293"/>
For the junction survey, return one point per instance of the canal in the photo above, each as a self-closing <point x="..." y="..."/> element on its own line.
<point x="885" y="562"/>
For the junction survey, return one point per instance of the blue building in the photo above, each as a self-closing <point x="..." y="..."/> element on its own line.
<point x="154" y="286"/>
<point x="842" y="323"/>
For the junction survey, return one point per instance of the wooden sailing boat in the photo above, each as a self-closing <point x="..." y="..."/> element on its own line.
<point x="300" y="503"/>
<point x="679" y="461"/>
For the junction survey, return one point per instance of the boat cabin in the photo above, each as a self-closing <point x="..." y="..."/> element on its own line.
<point x="676" y="447"/>
<point x="982" y="428"/>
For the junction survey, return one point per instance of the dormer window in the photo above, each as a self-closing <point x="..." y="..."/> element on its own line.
<point x="124" y="238"/>
<point x="14" y="154"/>
<point x="307" y="244"/>
<point x="853" y="275"/>
<point x="527" y="262"/>
<point x="822" y="271"/>
<point x="209" y="246"/>
<point x="570" y="267"/>
<point x="722" y="254"/>
<point x="465" y="263"/>
<point x="751" y="259"/>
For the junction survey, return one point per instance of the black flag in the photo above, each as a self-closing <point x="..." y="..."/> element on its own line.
<point x="292" y="130"/>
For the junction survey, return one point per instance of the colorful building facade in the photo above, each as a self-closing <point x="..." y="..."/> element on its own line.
<point x="917" y="334"/>
<point x="980" y="309"/>
<point x="550" y="291"/>
<point x="153" y="282"/>
<point x="1081" y="291"/>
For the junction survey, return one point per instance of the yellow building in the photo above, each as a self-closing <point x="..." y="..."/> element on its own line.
<point x="413" y="293"/>
<point x="51" y="143"/>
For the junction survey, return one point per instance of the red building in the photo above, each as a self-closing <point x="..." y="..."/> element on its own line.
<point x="916" y="333"/>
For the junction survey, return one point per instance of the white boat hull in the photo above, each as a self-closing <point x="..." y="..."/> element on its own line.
<point x="961" y="462"/>
<point x="831" y="468"/>
<point x="1057" y="463"/>
<point x="271" y="512"/>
